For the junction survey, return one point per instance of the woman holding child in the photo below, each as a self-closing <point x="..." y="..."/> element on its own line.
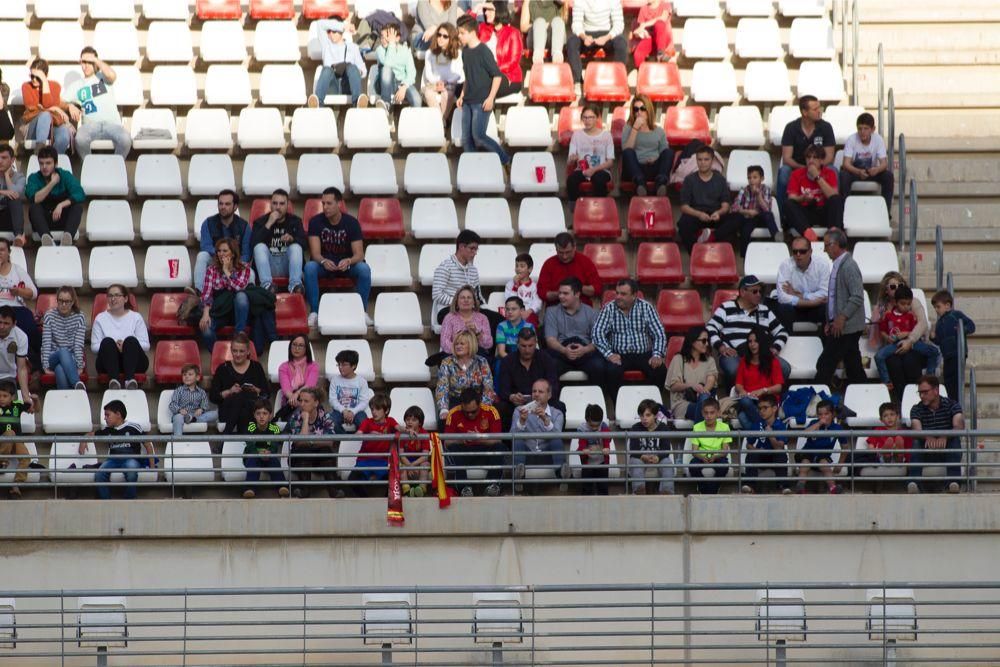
<point x="907" y="364"/>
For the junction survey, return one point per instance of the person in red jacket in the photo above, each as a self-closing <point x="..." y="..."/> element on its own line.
<point x="813" y="197"/>
<point x="506" y="42"/>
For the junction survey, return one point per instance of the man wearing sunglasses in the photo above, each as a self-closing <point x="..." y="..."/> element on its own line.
<point x="733" y="320"/>
<point x="802" y="286"/>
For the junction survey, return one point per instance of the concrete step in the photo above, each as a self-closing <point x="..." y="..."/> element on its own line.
<point x="951" y="175"/>
<point x="933" y="86"/>
<point x="972" y="43"/>
<point x="928" y="11"/>
<point x="949" y="128"/>
<point x="963" y="222"/>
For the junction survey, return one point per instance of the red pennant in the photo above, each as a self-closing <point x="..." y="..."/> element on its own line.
<point x="394" y="512"/>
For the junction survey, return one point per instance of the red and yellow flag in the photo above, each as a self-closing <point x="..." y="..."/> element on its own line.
<point x="437" y="472"/>
<point x="394" y="512"/>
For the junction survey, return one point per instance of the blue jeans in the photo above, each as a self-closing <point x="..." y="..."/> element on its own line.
<point x="328" y="80"/>
<point x="338" y="421"/>
<point x="41" y="126"/>
<point x="950" y="457"/>
<point x="360" y="273"/>
<point x="474" y="123"/>
<point x="693" y="412"/>
<point x="129" y="467"/>
<point x="387" y="85"/>
<point x="257" y="464"/>
<point x="551" y="453"/>
<point x="930" y="352"/>
<point x="747" y="413"/>
<point x="284" y="265"/>
<point x="206" y="417"/>
<point x="241" y="313"/>
<point x="63" y="364"/>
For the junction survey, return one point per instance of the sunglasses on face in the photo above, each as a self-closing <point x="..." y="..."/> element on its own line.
<point x="701" y="340"/>
<point x="443" y="35"/>
<point x="891" y="286"/>
<point x="638" y="107"/>
<point x="801" y="251"/>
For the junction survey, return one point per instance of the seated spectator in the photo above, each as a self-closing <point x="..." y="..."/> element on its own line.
<point x="465" y="316"/>
<point x="10" y="425"/>
<point x="646" y="155"/>
<point x="297" y="372"/>
<point x="63" y="332"/>
<point x="629" y="335"/>
<point x="765" y="454"/>
<point x="93" y="106"/>
<point x="759" y="374"/>
<point x="238" y="384"/>
<point x="368" y="18"/>
<point x="508" y="50"/>
<point x="752" y="209"/>
<point x="544" y="23"/>
<point x="597" y="25"/>
<point x="350" y="395"/>
<point x="226" y="224"/>
<point x="732" y="321"/>
<point x="704" y="200"/>
<point x="443" y="72"/>
<point x="7" y="131"/>
<point x="45" y="119"/>
<point x="569" y="329"/>
<point x="11" y="193"/>
<point x="396" y="81"/>
<point x="55" y="199"/>
<point x="568" y="263"/>
<point x="464" y="369"/>
<point x="120" y="340"/>
<point x="651" y="32"/>
<point x="692" y="375"/>
<point x="14" y="355"/>
<point x="946" y="337"/>
<point x="189" y="402"/>
<point x="278" y="241"/>
<point x="431" y="15"/>
<point x="483" y="84"/>
<point x="224" y="299"/>
<point x="506" y="336"/>
<point x="591" y="157"/>
<point x="472" y="415"/>
<point x="708" y="458"/>
<point x="906" y="365"/>
<point x="519" y="371"/>
<point x="802" y="286"/>
<point x="813" y="200"/>
<point x="594" y="451"/>
<point x="889" y="449"/>
<point x="894" y="327"/>
<point x="539" y="416"/>
<point x="343" y="66"/>
<point x="649" y="451"/>
<point x="337" y="249"/>
<point x="866" y="159"/>
<point x="799" y="134"/>
<point x="307" y="458"/>
<point x="415" y="454"/>
<point x="372" y="463"/>
<point x="525" y="288"/>
<point x="819" y="452"/>
<point x="16" y="286"/>
<point x="935" y="412"/>
<point x="453" y="273"/>
<point x="263" y="456"/>
<point x="123" y="456"/>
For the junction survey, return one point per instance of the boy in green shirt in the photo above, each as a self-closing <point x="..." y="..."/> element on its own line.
<point x="259" y="456"/>
<point x="708" y="458"/>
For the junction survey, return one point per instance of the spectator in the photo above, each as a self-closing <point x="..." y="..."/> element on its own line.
<point x="652" y="30"/>
<point x="350" y="395"/>
<point x="14" y="355"/>
<point x="591" y="157"/>
<point x="443" y="70"/>
<point x="396" y="71"/>
<point x="813" y="200"/>
<point x="802" y="286"/>
<point x="523" y="287"/>
<point x="544" y="22"/>
<point x="122" y="455"/>
<point x="763" y="453"/>
<point x="733" y="320"/>
<point x="226" y="224"/>
<point x="708" y="460"/>
<point x="415" y="454"/>
<point x="93" y="106"/>
<point x="568" y="263"/>
<point x="238" y="384"/>
<point x="889" y="449"/>
<point x="845" y="314"/>
<point x="759" y="374"/>
<point x="895" y="326"/>
<point x="372" y="463"/>
<point x="120" y="340"/>
<point x="297" y="372"/>
<point x="519" y="372"/>
<point x="509" y="49"/>
<point x="316" y="456"/>
<point x="597" y="24"/>
<point x="7" y="131"/>
<point x="649" y="451"/>
<point x="55" y="199"/>
<point x="337" y="248"/>
<point x="692" y="375"/>
<point x="224" y="299"/>
<point x="704" y="200"/>
<point x="809" y="130"/>
<point x="751" y="210"/>
<point x="569" y="329"/>
<point x="264" y="455"/>
<point x="483" y="83"/>
<point x="508" y="330"/>
<point x="465" y="316"/>
<point x="431" y="15"/>
<point x="866" y="160"/>
<point x="472" y="415"/>
<point x="10" y="425"/>
<point x="453" y="273"/>
<point x="946" y="337"/>
<point x="594" y="452"/>
<point x="935" y="412"/>
<point x="189" y="402"/>
<point x="906" y="365"/>
<point x="343" y="66"/>
<point x="16" y="286"/>
<point x="629" y="335"/>
<point x="464" y="369"/>
<point x="646" y="155"/>
<point x="368" y="18"/>
<point x="819" y="451"/>
<point x="46" y="116"/>
<point x="11" y="194"/>
<point x="278" y="241"/>
<point x="539" y="416"/>
<point x="63" y="333"/>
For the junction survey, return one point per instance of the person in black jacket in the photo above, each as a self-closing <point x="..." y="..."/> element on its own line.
<point x="237" y="385"/>
<point x="277" y="242"/>
<point x="649" y="451"/>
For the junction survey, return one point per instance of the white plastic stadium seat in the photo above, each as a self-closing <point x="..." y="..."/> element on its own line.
<point x="739" y="126"/>
<point x="222" y="42"/>
<point x="489" y="217"/>
<point x="767" y="82"/>
<point x="739" y="160"/>
<point x="318" y="171"/>
<point x="331" y="99"/>
<point x="422" y="397"/>
<point x="366" y="129"/>
<point x="208" y="129"/>
<point x="910" y="399"/>
<point x="431" y="255"/>
<point x="341" y="314"/>
<point x="176" y="10"/>
<point x="14" y="9"/>
<point x="539" y="253"/>
<point x="187" y="462"/>
<point x="802" y="7"/>
<point x="844" y="119"/>
<point x="628" y="399"/>
<point x="524" y="173"/>
<point x="875" y="258"/>
<point x="403" y="361"/>
<point x="277" y="354"/>
<point x="366" y="366"/>
<point x="66" y="411"/>
<point x="263" y="174"/>
<point x="169" y="42"/>
<point x="112" y="264"/>
<point x="540" y="218"/>
<point x="276" y="42"/>
<point x="801" y="353"/>
<point x="866" y="217"/>
<point x="390" y="265"/>
<point x="495" y="263"/>
<point x="434" y="218"/>
<point x="480" y="173"/>
<point x="811" y="38"/>
<point x="398" y="314"/>
<point x="282" y="85"/>
<point x="119" y="10"/>
<point x="56" y="266"/>
<point x="174" y="85"/>
<point x="227" y="85"/>
<point x="864" y="400"/>
<point x="373" y="174"/>
<point x="762" y="260"/>
<point x="777" y="119"/>
<point x="104" y="175"/>
<point x="420" y="127"/>
<point x="528" y="127"/>
<point x="714" y="83"/>
<point x="135" y="404"/>
<point x="33" y="476"/>
<point x="129" y="88"/>
<point x="260" y="129"/>
<point x="821" y="78"/>
<point x="153" y="119"/>
<point x="163" y="220"/>
<point x="109" y="220"/>
<point x="314" y="128"/>
<point x="15" y="45"/>
<point x="705" y="38"/>
<point x="705" y="8"/>
<point x="492" y="129"/>
<point x="158" y="174"/>
<point x="758" y="38"/>
<point x="116" y="41"/>
<point x="577" y="398"/>
<point x="427" y="174"/>
<point x="156" y="270"/>
<point x="66" y="464"/>
<point x="208" y="173"/>
<point x="60" y="41"/>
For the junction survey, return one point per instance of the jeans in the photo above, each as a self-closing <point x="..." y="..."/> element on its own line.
<point x="41" y="127"/>
<point x="360" y="273"/>
<point x="729" y="366"/>
<point x="129" y="467"/>
<point x="91" y="131"/>
<point x="781" y="188"/>
<point x="802" y="218"/>
<point x="241" y="313"/>
<point x="747" y="413"/>
<point x="693" y="412"/>
<point x="950" y="456"/>
<point x="328" y="80"/>
<point x="42" y="222"/>
<point x="256" y="464"/>
<point x="929" y="350"/>
<point x="636" y="472"/>
<point x="14" y="212"/>
<point x="551" y="453"/>
<point x="338" y="421"/>
<point x="201" y="263"/>
<point x="206" y="417"/>
<point x="540" y="33"/>
<point x="657" y="171"/>
<point x="63" y="364"/>
<point x="283" y="265"/>
<point x="697" y="470"/>
<point x="883" y="178"/>
<point x="388" y="86"/>
<point x="475" y="120"/>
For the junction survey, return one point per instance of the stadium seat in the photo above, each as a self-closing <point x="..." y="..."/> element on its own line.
<point x="533" y="173"/>
<point x="135" y="404"/>
<point x="431" y="255"/>
<point x="713" y="264"/>
<point x="801" y="353"/>
<point x="277" y="354"/>
<point x="110" y="265"/>
<point x="714" y="83"/>
<point x="821" y="78"/>
<point x="66" y="411"/>
<point x="17" y="9"/>
<point x="577" y="398"/>
<point x="722" y="295"/>
<point x="539" y="253"/>
<point x="766" y="82"/>
<point x="15" y="45"/>
<point x="403" y="361"/>
<point x="221" y="353"/>
<point x="188" y="463"/>
<point x="153" y="119"/>
<point x="844" y="119"/>
<point x="537" y="218"/>
<point x="864" y="400"/>
<point x="373" y="174"/>
<point x="739" y="126"/>
<point x="777" y="119"/>
<point x="427" y="174"/>
<point x="431" y="218"/>
<point x="158" y="174"/>
<point x="398" y="314"/>
<point x="276" y="42"/>
<point x="366" y="129"/>
<point x="175" y="10"/>
<point x="171" y="356"/>
<point x="175" y="86"/>
<point x="318" y="171"/>
<point x="290" y="313"/>
<point x="208" y="129"/>
<point x="596" y="218"/>
<point x="792" y="8"/>
<point x="528" y="127"/>
<point x="56" y="266"/>
<point x="422" y="397"/>
<point x="219" y="9"/>
<point x="703" y="8"/>
<point x="68" y="467"/>
<point x="366" y="366"/>
<point x="110" y="220"/>
<point x="628" y="399"/>
<point x="495" y="263"/>
<point x="60" y="41"/>
<point x="659" y="264"/>
<point x="17" y="257"/>
<point x="811" y="38"/>
<point x="222" y="42"/>
<point x="420" y="127"/>
<point x="739" y="160"/>
<point x="569" y="122"/>
<point x="341" y="314"/>
<point x="209" y="173"/>
<point x="606" y="82"/>
<point x="482" y="173"/>
<point x="263" y="174"/>
<point x="169" y="42"/>
<point x="116" y="41"/>
<point x="610" y="260"/>
<point x="762" y="260"/>
<point x="382" y="218"/>
<point x="390" y="265"/>
<point x="282" y="85"/>
<point x="490" y="216"/>
<point x="660" y="226"/>
<point x="910" y="399"/>
<point x="705" y="39"/>
<point x="227" y="85"/>
<point x="321" y="9"/>
<point x="156" y="270"/>
<point x="758" y="38"/>
<point x="661" y="82"/>
<point x="313" y="207"/>
<point x="162" y="220"/>
<point x="875" y="258"/>
<point x="57" y="9"/>
<point x="314" y="128"/>
<point x="104" y="175"/>
<point x="271" y="10"/>
<point x="685" y="124"/>
<point x="492" y="129"/>
<point x="164" y="421"/>
<point x="866" y="217"/>
<point x="260" y="129"/>
<point x="551" y="83"/>
<point x="162" y="320"/>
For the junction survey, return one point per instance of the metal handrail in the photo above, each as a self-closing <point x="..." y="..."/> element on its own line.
<point x="962" y="351"/>
<point x="949" y="282"/>
<point x="881" y="95"/>
<point x="901" y="221"/>
<point x="890" y="131"/>
<point x="913" y="231"/>
<point x="938" y="258"/>
<point x="973" y="423"/>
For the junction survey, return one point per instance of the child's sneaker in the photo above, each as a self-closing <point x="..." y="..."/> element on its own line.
<point x="836" y="489"/>
<point x="705" y="236"/>
<point x="417" y="491"/>
<point x="800" y="487"/>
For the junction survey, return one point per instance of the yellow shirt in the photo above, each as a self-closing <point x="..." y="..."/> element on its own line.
<point x="711" y="444"/>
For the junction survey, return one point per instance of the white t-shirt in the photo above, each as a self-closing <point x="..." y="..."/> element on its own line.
<point x="13" y="346"/>
<point x="96" y="98"/>
<point x="864" y="157"/>
<point x="595" y="149"/>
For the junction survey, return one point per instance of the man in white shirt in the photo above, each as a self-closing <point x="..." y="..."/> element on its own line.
<point x="14" y="354"/>
<point x="866" y="159"/>
<point x="93" y="106"/>
<point x="597" y="24"/>
<point x="802" y="286"/>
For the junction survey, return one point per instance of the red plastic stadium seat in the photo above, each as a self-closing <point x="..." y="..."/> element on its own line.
<point x="619" y="115"/>
<point x="596" y="218"/>
<point x="569" y="122"/>
<point x="173" y="355"/>
<point x="723" y="295"/>
<point x="272" y="9"/>
<point x="659" y="264"/>
<point x="221" y="354"/>
<point x="290" y="314"/>
<point x="219" y="9"/>
<point x="660" y="81"/>
<point x="606" y="82"/>
<point x="381" y="218"/>
<point x="609" y="295"/>
<point x="324" y="9"/>
<point x="674" y="345"/>
<point x="551" y="83"/>
<point x="663" y="218"/>
<point x="262" y="206"/>
<point x="162" y="319"/>
<point x="101" y="304"/>
<point x="104" y="378"/>
<point x="685" y="124"/>
<point x="609" y="258"/>
<point x="713" y="264"/>
<point x="680" y="309"/>
<point x="44" y="304"/>
<point x="314" y="207"/>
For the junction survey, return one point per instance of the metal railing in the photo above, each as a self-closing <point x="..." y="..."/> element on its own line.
<point x="854" y="16"/>
<point x="902" y="223"/>
<point x="914" y="221"/>
<point x="745" y="623"/>
<point x="938" y="258"/>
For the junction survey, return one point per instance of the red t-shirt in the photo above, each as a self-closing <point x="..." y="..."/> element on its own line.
<point x="414" y="446"/>
<point x="751" y="377"/>
<point x="487" y="420"/>
<point x="879" y="443"/>
<point x="800" y="184"/>
<point x="371" y="427"/>
<point x="897" y="324"/>
<point x="554" y="272"/>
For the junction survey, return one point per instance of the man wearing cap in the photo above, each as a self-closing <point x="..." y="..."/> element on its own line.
<point x="732" y="321"/>
<point x="343" y="66"/>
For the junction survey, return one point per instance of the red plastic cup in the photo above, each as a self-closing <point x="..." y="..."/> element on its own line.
<point x="584" y="165"/>
<point x="649" y="218"/>
<point x="174" y="267"/>
<point x="540" y="173"/>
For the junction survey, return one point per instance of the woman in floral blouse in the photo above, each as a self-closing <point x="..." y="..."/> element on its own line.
<point x="463" y="369"/>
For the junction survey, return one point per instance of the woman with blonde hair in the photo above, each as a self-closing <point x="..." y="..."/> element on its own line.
<point x="63" y="331"/>
<point x="461" y="370"/>
<point x="646" y="156"/>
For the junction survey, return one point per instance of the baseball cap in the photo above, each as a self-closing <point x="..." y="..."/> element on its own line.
<point x="749" y="281"/>
<point x="335" y="26"/>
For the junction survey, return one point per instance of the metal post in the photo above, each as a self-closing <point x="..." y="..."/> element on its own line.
<point x="387" y="654"/>
<point x="974" y="424"/>
<point x="497" y="654"/>
<point x="854" y="54"/>
<point x="901" y="221"/>
<point x="890" y="650"/>
<point x="890" y="130"/>
<point x="102" y="656"/>
<point x="881" y="94"/>
<point x="949" y="282"/>
<point x="780" y="659"/>
<point x="938" y="258"/>
<point x="913" y="232"/>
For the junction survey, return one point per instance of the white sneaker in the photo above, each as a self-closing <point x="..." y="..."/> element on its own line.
<point x="46" y="239"/>
<point x="131" y="384"/>
<point x="312" y="320"/>
<point x="313" y="102"/>
<point x="114" y="384"/>
<point x="954" y="487"/>
<point x="746" y="488"/>
<point x="912" y="488"/>
<point x="705" y="236"/>
<point x="81" y="385"/>
<point x="67" y="239"/>
<point x="380" y="104"/>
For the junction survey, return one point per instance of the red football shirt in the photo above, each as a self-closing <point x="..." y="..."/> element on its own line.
<point x="554" y="272"/>
<point x="487" y="420"/>
<point x="800" y="184"/>
<point x="371" y="427"/>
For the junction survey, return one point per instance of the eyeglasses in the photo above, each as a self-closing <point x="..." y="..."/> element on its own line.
<point x="923" y="391"/>
<point x="64" y="302"/>
<point x="701" y="340"/>
<point x="116" y="295"/>
<point x="801" y="251"/>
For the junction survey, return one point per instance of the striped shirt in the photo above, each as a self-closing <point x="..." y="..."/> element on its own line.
<point x="936" y="420"/>
<point x="730" y="325"/>
<point x="189" y="399"/>
<point x="637" y="331"/>
<point x="59" y="331"/>
<point x="601" y="16"/>
<point x="449" y="277"/>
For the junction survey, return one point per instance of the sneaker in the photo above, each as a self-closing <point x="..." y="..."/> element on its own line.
<point x="312" y="320"/>
<point x="564" y="471"/>
<point x="493" y="490"/>
<point x="912" y="488"/>
<point x="746" y="488"/>
<point x="466" y="491"/>
<point x="46" y="239"/>
<point x="268" y="287"/>
<point x="661" y="190"/>
<point x="313" y="102"/>
<point x="131" y="384"/>
<point x="190" y="290"/>
<point x="519" y="471"/>
<point x="705" y="236"/>
<point x="380" y="104"/>
<point x="836" y="489"/>
<point x="800" y="487"/>
<point x="363" y="101"/>
<point x="114" y="384"/>
<point x="283" y="491"/>
<point x="298" y="289"/>
<point x="80" y="385"/>
<point x="20" y="241"/>
<point x="953" y="488"/>
<point x="248" y="494"/>
<point x="297" y="493"/>
<point x="518" y="488"/>
<point x="67" y="239"/>
<point x="417" y="491"/>
<point x="786" y="491"/>
<point x="640" y="191"/>
<point x="368" y="320"/>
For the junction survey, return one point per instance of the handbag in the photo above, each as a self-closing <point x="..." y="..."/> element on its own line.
<point x="690" y="395"/>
